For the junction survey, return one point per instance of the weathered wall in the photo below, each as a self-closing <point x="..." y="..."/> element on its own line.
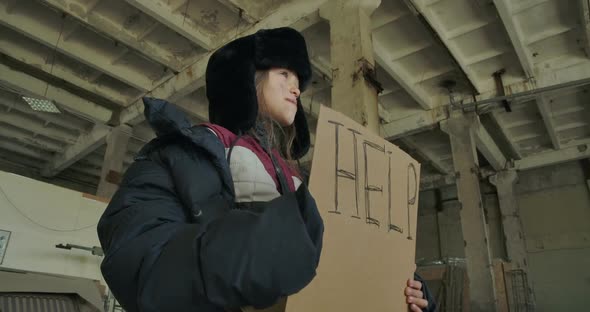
<point x="554" y="205"/>
<point x="427" y="236"/>
<point x="439" y="225"/>
<point x="40" y="216"/>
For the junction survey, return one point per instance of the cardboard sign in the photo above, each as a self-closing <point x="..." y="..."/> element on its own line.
<point x="367" y="192"/>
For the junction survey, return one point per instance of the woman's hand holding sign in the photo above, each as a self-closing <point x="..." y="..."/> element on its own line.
<point x="414" y="296"/>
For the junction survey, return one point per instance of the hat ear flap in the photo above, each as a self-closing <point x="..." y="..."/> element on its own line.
<point x="302" y="139"/>
<point x="231" y="90"/>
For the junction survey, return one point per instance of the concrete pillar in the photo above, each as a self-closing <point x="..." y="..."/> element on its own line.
<point x="460" y="128"/>
<point x="113" y="161"/>
<point x="351" y="50"/>
<point x="505" y="182"/>
<point x="450" y="231"/>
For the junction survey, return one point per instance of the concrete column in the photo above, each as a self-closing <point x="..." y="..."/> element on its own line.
<point x="450" y="231"/>
<point x="113" y="161"/>
<point x="351" y="50"/>
<point x="477" y="251"/>
<point x="505" y="182"/>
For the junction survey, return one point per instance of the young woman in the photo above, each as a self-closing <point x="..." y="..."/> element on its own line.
<point x="215" y="217"/>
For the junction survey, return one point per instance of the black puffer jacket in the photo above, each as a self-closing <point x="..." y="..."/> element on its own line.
<point x="175" y="241"/>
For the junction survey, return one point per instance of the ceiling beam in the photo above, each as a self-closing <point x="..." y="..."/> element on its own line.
<point x="13" y="147"/>
<point x="548" y="33"/>
<point x="195" y="105"/>
<point x="30" y="168"/>
<point x="436" y="181"/>
<point x="307" y="21"/>
<point x="24" y="138"/>
<point x="322" y="67"/>
<point x="431" y="74"/>
<point x="185" y="82"/>
<point x="31" y="86"/>
<point x="87" y="170"/>
<point x="176" y="21"/>
<point x="233" y="6"/>
<point x="488" y="148"/>
<point x="584" y="9"/>
<point x="20" y="121"/>
<point x="522" y="6"/>
<point x="119" y="33"/>
<point x="10" y="161"/>
<point x="544" y="106"/>
<point x="69" y="123"/>
<point x="573" y="153"/>
<point x="395" y="70"/>
<point x="545" y="82"/>
<point x="426" y="154"/>
<point x="516" y="36"/>
<point x="252" y="11"/>
<point x="505" y="136"/>
<point x="173" y="91"/>
<point x="434" y="25"/>
<point x="384" y="17"/>
<point x="96" y="159"/>
<point x="27" y="56"/>
<point x="35" y="29"/>
<point x="90" y="6"/>
<point x="193" y="77"/>
<point x="500" y="132"/>
<point x="288" y="13"/>
<point x="85" y="145"/>
<point x="414" y="123"/>
<point x="568" y="78"/>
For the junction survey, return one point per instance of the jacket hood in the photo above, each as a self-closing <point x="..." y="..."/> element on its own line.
<point x="171" y="124"/>
<point x="231" y="89"/>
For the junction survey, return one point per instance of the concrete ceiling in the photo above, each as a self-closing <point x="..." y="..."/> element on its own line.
<point x="97" y="58"/>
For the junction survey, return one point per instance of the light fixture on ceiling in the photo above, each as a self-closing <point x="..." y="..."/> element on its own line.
<point x="41" y="105"/>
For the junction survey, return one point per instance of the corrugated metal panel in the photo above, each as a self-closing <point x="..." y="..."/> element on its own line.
<point x="25" y="302"/>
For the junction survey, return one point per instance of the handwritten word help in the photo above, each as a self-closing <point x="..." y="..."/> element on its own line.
<point x="363" y="183"/>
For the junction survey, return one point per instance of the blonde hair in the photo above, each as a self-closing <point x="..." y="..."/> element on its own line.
<point x="278" y="137"/>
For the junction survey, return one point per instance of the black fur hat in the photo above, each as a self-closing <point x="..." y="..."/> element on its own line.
<point x="230" y="83"/>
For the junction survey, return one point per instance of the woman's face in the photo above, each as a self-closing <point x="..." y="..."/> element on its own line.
<point x="278" y="95"/>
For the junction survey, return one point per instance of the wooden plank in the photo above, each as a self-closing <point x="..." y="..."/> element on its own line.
<point x="501" y="294"/>
<point x="97" y="198"/>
